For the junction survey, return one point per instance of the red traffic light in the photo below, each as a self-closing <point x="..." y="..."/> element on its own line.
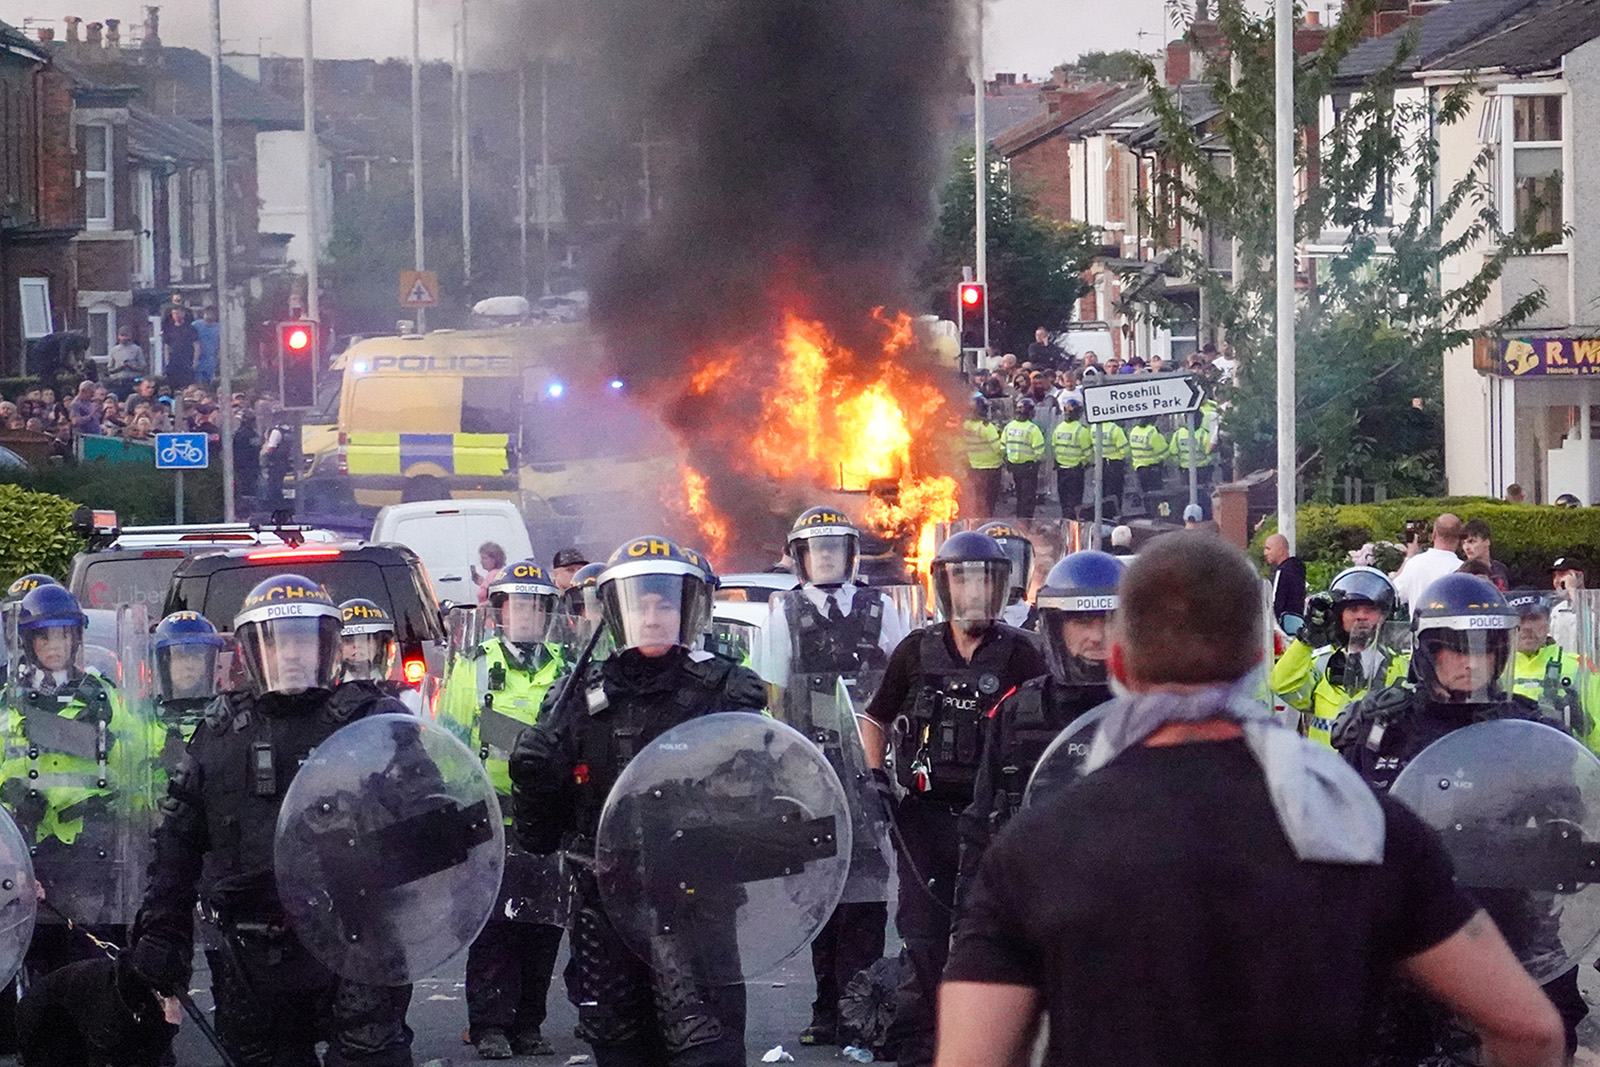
<point x="297" y="338"/>
<point x="971" y="295"/>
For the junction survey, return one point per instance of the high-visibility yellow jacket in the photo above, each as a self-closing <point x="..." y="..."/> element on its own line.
<point x="1113" y="440"/>
<point x="1023" y="441"/>
<point x="488" y="698"/>
<point x="1072" y="444"/>
<point x="1148" y="445"/>
<point x="983" y="445"/>
<point x="1302" y="678"/>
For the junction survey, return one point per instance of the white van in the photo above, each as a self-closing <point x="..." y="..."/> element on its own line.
<point x="447" y="534"/>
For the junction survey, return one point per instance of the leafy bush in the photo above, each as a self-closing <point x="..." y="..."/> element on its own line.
<point x="140" y="494"/>
<point x="1527" y="537"/>
<point x="12" y="388"/>
<point x="35" y="533"/>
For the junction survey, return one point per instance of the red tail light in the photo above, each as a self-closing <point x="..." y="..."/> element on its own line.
<point x="416" y="670"/>
<point x="293" y="553"/>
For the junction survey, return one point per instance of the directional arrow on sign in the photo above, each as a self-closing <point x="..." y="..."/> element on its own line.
<point x="1119" y="397"/>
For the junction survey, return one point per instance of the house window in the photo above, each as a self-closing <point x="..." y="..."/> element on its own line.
<point x="1532" y="167"/>
<point x="36" y="313"/>
<point x="102" y="320"/>
<point x="200" y="215"/>
<point x="98" y="197"/>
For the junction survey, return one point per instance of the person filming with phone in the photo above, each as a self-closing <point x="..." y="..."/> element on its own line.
<point x="1424" y="566"/>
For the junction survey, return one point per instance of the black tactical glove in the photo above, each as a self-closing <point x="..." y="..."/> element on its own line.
<point x="541" y="790"/>
<point x="157" y="963"/>
<point x="1319" y="627"/>
<point x="883" y="785"/>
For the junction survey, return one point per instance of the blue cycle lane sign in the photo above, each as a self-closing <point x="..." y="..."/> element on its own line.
<point x="182" y="451"/>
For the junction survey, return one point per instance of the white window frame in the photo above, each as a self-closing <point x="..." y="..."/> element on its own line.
<point x="107" y="221"/>
<point x="1507" y="201"/>
<point x="176" y="261"/>
<point x="200" y="219"/>
<point x="38" y="318"/>
<point x="108" y="313"/>
<point x="145" y="189"/>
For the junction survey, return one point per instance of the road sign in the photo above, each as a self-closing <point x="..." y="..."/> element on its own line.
<point x="419" y="288"/>
<point x="1112" y="399"/>
<point x="182" y="451"/>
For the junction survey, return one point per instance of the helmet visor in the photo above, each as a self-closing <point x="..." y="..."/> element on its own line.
<point x="1465" y="666"/>
<point x="1020" y="552"/>
<point x="291" y="655"/>
<point x="971" y="590"/>
<point x="187" y="671"/>
<point x="53" y="648"/>
<point x="654" y="612"/>
<point x="1075" y="645"/>
<point x="828" y="559"/>
<point x="368" y="656"/>
<point x="524" y="618"/>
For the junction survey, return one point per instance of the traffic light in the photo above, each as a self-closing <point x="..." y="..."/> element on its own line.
<point x="298" y="352"/>
<point x="972" y="314"/>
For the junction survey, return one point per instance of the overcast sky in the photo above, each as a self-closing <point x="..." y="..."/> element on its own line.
<point x="1023" y="36"/>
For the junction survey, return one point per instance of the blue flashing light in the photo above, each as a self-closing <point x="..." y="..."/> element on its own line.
<point x="554" y="390"/>
<point x="359" y="368"/>
<point x="616" y="383"/>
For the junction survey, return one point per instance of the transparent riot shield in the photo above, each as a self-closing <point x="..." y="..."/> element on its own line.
<point x="1061" y="764"/>
<point x="464" y="627"/>
<point x="19" y="899"/>
<point x="389" y="850"/>
<point x="80" y="783"/>
<point x="1581" y="668"/>
<point x="911" y="601"/>
<point x="822" y="707"/>
<point x="1517" y="806"/>
<point x="730" y="639"/>
<point x="723" y="847"/>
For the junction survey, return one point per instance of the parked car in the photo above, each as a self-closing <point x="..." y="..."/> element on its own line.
<point x="446" y="534"/>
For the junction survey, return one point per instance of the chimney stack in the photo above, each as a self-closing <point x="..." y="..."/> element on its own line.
<point x="72" y="29"/>
<point x="92" y="36"/>
<point x="151" y="42"/>
<point x="47" y="34"/>
<point x="114" y="35"/>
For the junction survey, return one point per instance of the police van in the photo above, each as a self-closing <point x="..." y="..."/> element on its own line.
<point x="532" y="414"/>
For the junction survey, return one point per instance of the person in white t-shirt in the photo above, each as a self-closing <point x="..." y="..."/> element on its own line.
<point x="1422" y="568"/>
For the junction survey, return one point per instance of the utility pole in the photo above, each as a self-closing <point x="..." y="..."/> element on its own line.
<point x="418" y="263"/>
<point x="313" y="244"/>
<point x="1287" y="467"/>
<point x="544" y="167"/>
<point x="219" y="240"/>
<point x="522" y="170"/>
<point x="644" y="148"/>
<point x="466" y="154"/>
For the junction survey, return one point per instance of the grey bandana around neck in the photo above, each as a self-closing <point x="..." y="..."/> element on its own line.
<point x="1327" y="812"/>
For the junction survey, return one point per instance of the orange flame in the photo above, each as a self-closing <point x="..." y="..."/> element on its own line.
<point x="837" y="422"/>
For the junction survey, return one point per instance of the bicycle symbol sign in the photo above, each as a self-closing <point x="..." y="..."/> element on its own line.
<point x="182" y="451"/>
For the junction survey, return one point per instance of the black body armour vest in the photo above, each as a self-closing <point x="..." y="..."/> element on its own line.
<point x="1025" y="724"/>
<point x="846" y="646"/>
<point x="939" y="746"/>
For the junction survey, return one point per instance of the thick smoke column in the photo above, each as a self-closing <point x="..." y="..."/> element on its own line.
<point x="803" y="152"/>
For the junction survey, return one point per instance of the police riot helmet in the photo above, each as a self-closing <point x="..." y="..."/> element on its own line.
<point x="971" y="574"/>
<point x="1462" y="645"/>
<point x="1080" y="588"/>
<point x="1356" y="586"/>
<point x="1025" y="408"/>
<point x="50" y="626"/>
<point x="825" y="547"/>
<point x="367" y="642"/>
<point x="1567" y="500"/>
<point x="25" y="585"/>
<point x="1533" y="607"/>
<point x="523" y="600"/>
<point x="186" y="646"/>
<point x="655" y="595"/>
<point x="1018" y="548"/>
<point x="581" y="599"/>
<point x="288" y="635"/>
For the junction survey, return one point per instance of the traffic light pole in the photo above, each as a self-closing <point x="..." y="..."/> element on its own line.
<point x="416" y="150"/>
<point x="219" y="244"/>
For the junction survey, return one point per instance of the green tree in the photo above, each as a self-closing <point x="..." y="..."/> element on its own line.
<point x="1374" y="321"/>
<point x="1035" y="265"/>
<point x="1123" y="65"/>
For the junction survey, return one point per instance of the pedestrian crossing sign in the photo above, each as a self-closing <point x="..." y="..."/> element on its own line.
<point x="419" y="288"/>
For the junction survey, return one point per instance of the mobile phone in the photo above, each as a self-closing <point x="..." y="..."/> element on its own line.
<point x="1415" y="528"/>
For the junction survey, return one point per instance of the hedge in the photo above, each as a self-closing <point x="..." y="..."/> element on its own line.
<point x="139" y="494"/>
<point x="35" y="534"/>
<point x="1527" y="537"/>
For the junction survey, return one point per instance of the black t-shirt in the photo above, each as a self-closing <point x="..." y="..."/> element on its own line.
<point x="1015" y="662"/>
<point x="1159" y="909"/>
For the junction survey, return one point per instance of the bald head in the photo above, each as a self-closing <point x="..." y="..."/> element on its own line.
<point x="1447" y="532"/>
<point x="1275" y="549"/>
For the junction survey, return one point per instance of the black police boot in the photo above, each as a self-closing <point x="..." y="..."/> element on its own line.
<point x="493" y="1045"/>
<point x="531" y="1043"/>
<point x="824" y="1030"/>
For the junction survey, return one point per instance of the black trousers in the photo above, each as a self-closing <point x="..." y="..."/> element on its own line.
<point x="850" y="941"/>
<point x="1113" y="476"/>
<point x="985" y="490"/>
<point x="1069" y="489"/>
<point x="636" y="1016"/>
<point x="273" y="1014"/>
<point x="1149" y="477"/>
<point x="1025" y="476"/>
<point x="509" y="968"/>
<point x="933" y="845"/>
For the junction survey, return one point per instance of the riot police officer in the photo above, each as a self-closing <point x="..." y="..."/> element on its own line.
<point x="367" y="643"/>
<point x="1554" y="679"/>
<point x="75" y="775"/>
<point x="1464" y="635"/>
<point x="656" y="598"/>
<point x="1340" y="652"/>
<point x="185" y="646"/>
<point x="940" y="684"/>
<point x="1023" y="443"/>
<point x="580" y="615"/>
<point x="1075" y="605"/>
<point x="493" y="691"/>
<point x="827" y="631"/>
<point x="13" y="596"/>
<point x="1018" y="547"/>
<point x="274" y="1001"/>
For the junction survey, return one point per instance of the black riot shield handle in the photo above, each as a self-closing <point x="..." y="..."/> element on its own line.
<point x="1550" y="857"/>
<point x="685" y="860"/>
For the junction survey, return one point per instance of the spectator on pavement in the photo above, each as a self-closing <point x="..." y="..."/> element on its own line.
<point x="82" y="412"/>
<point x="1042" y="353"/>
<point x="209" y="334"/>
<point x="1514" y="494"/>
<point x="1476" y="542"/>
<point x="1422" y="568"/>
<point x="1567" y="578"/>
<point x="1288" y="577"/>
